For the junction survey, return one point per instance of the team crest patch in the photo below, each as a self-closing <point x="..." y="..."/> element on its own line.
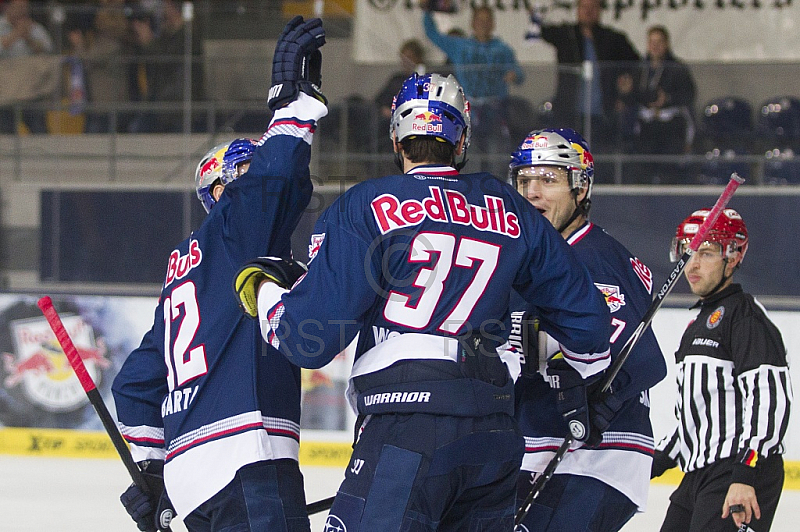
<point x="614" y="298"/>
<point x="713" y="320"/>
<point x="313" y="247"/>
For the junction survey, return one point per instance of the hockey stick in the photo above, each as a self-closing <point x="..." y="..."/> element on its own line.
<point x="319" y="506"/>
<point x="46" y="306"/>
<point x="612" y="371"/>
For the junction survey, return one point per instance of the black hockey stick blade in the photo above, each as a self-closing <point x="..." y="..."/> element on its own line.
<point x="612" y="371"/>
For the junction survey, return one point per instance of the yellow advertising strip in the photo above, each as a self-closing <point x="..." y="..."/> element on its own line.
<point x="79" y="444"/>
<point x="56" y="443"/>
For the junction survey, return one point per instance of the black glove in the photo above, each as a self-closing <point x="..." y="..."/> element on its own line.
<point x="297" y="63"/>
<point x="661" y="464"/>
<point x="152" y="511"/>
<point x="603" y="408"/>
<point x="283" y="272"/>
<point x="572" y="398"/>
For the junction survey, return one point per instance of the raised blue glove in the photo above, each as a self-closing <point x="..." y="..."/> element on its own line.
<point x="572" y="398"/>
<point x="297" y="63"/>
<point x="283" y="272"/>
<point x="151" y="511"/>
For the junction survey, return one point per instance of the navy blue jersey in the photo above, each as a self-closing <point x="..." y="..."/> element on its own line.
<point x="203" y="388"/>
<point x="410" y="261"/>
<point x="623" y="458"/>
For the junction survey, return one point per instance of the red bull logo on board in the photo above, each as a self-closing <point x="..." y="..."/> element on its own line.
<point x="39" y="368"/>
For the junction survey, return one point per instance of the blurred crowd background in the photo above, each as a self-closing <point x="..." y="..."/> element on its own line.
<point x="107" y="105"/>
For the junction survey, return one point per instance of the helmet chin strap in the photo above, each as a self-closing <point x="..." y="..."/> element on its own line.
<point x="458" y="165"/>
<point x="581" y="208"/>
<point x="723" y="279"/>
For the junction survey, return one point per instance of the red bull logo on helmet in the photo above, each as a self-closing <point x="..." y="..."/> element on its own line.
<point x="586" y="158"/>
<point x="427" y="122"/>
<point x="534" y="142"/>
<point x="212" y="165"/>
<point x="39" y="368"/>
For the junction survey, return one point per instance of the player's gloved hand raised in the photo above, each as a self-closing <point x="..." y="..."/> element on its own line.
<point x="297" y="63"/>
<point x="152" y="511"/>
<point x="283" y="272"/>
<point x="572" y="398"/>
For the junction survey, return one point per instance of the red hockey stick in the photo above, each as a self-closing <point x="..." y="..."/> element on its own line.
<point x="46" y="306"/>
<point x="612" y="372"/>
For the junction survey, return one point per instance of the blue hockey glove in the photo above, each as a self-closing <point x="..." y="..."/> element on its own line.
<point x="572" y="398"/>
<point x="247" y="281"/>
<point x="297" y="63"/>
<point x="151" y="511"/>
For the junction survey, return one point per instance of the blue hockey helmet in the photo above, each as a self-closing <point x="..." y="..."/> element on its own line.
<point x="430" y="105"/>
<point x="239" y="151"/>
<point x="209" y="170"/>
<point x="556" y="147"/>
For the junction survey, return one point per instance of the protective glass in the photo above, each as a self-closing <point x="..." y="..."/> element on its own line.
<point x="548" y="177"/>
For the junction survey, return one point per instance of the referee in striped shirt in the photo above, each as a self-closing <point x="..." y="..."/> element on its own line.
<point x="734" y="394"/>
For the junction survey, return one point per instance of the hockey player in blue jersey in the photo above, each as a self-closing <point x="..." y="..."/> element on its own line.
<point x="420" y="266"/>
<point x="603" y="480"/>
<point x="210" y="411"/>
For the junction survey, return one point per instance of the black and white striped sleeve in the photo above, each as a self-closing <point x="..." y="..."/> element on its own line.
<point x="765" y="389"/>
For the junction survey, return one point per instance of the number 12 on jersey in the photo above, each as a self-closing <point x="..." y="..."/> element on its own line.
<point x="188" y="362"/>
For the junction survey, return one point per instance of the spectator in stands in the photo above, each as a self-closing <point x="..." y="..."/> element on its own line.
<point x="655" y="110"/>
<point x="613" y="60"/>
<point x="103" y="49"/>
<point x="485" y="66"/>
<point x="21" y="36"/>
<point x="666" y="97"/>
<point x="412" y="59"/>
<point x="164" y="56"/>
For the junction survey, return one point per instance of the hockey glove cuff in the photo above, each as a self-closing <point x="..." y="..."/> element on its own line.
<point x="572" y="398"/>
<point x="247" y="281"/>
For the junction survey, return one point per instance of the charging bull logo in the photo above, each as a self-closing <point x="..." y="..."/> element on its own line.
<point x="614" y="298"/>
<point x="587" y="161"/>
<point x="41" y="369"/>
<point x="427" y="122"/>
<point x="211" y="165"/>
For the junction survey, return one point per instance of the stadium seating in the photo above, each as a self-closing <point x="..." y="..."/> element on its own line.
<point x="778" y="128"/>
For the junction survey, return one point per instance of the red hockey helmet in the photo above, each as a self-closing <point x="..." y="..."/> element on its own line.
<point x="728" y="231"/>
